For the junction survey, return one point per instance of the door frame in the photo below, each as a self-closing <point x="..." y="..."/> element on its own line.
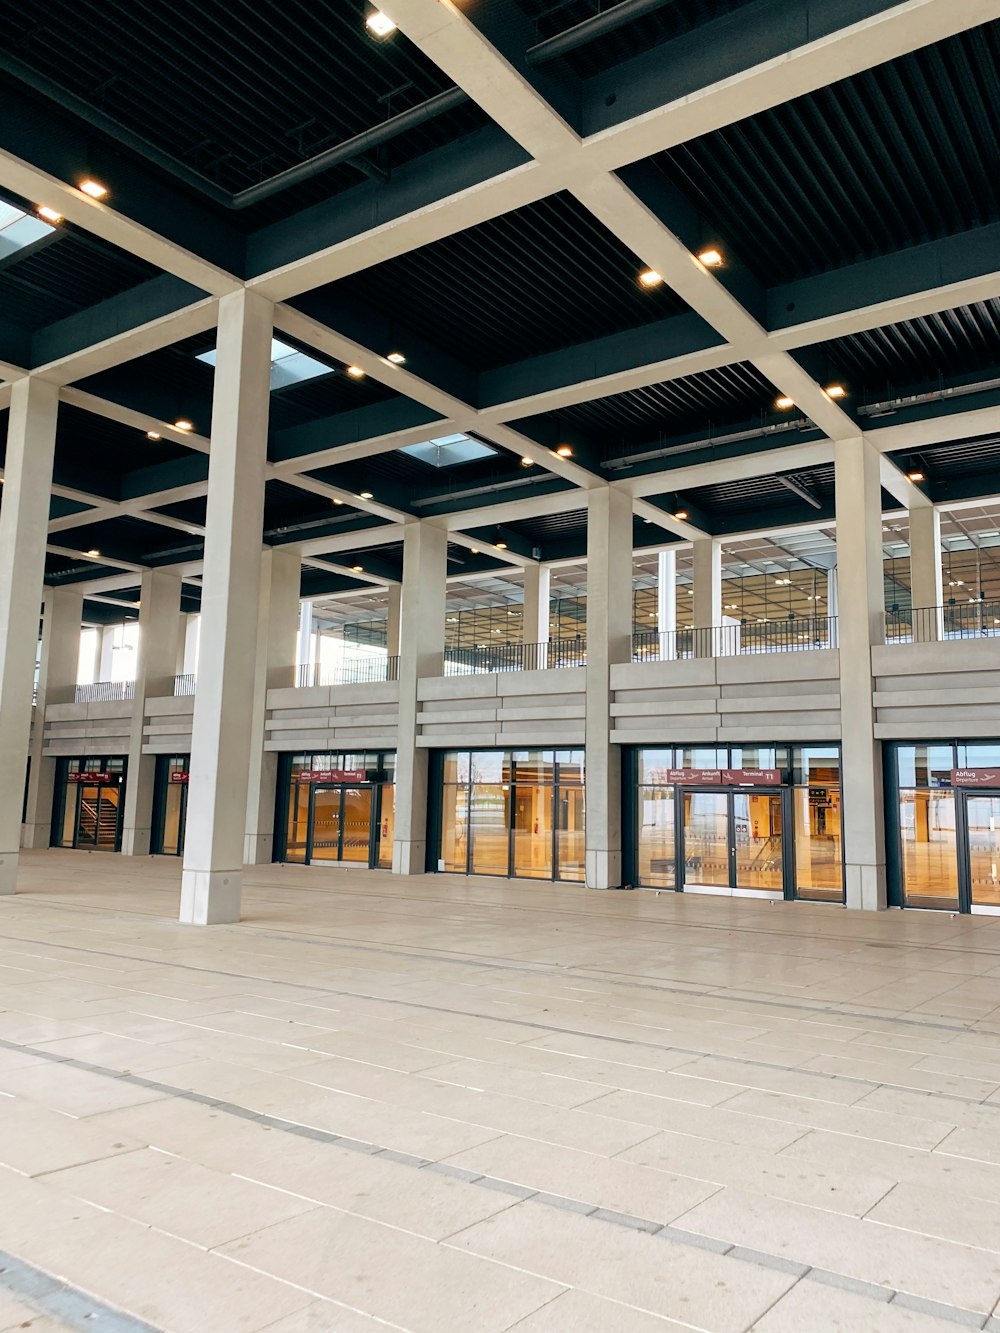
<point x="101" y="788"/>
<point x="374" y="823"/>
<point x="965" y="903"/>
<point x="733" y="890"/>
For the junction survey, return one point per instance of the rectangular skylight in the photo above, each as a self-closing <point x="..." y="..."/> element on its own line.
<point x="288" y="365"/>
<point x="18" y="229"/>
<point x="448" y="450"/>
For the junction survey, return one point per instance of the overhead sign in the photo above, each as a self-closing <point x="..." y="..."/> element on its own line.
<point x="92" y="779"/>
<point x="332" y="775"/>
<point x="725" y="777"/>
<point x="975" y="777"/>
<point x="177" y="776"/>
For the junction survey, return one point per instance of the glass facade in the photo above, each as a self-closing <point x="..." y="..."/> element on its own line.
<point x="513" y="813"/>
<point x="170" y="804"/>
<point x="725" y="836"/>
<point x="336" y="807"/>
<point x="89" y="803"/>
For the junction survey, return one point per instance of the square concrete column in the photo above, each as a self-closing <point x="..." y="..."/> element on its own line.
<point x="24" y="526"/>
<point x="220" y="749"/>
<point x="926" y="589"/>
<point x="395" y="595"/>
<point x="277" y="625"/>
<point x="833" y="606"/>
<point x="666" y="602"/>
<point x="861" y="597"/>
<point x="707" y="608"/>
<point x="106" y="655"/>
<point x="421" y="653"/>
<point x="182" y="632"/>
<point x="159" y="635"/>
<point x="609" y="640"/>
<point x="535" y="608"/>
<point x="57" y="672"/>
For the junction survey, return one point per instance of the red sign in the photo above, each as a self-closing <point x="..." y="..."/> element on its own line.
<point x="176" y="776"/>
<point x="725" y="777"/>
<point x="332" y="775"/>
<point x="975" y="777"/>
<point x="92" y="779"/>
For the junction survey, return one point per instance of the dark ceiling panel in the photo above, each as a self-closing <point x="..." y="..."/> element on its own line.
<point x="533" y="281"/>
<point x="70" y="273"/>
<point x="762" y="493"/>
<point x="906" y="152"/>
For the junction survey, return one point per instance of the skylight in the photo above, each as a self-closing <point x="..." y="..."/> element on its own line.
<point x="18" y="229"/>
<point x="288" y="364"/>
<point x="448" y="450"/>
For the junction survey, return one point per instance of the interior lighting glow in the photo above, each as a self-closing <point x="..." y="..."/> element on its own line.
<point x="183" y="424"/>
<point x="564" y="451"/>
<point x="711" y="258"/>
<point x="94" y="188"/>
<point x="365" y="495"/>
<point x="650" y="278"/>
<point x="527" y="462"/>
<point x="358" y="569"/>
<point x="916" y="475"/>
<point x="501" y="546"/>
<point x="397" y="358"/>
<point x="680" y="513"/>
<point x="784" y="402"/>
<point x="336" y="501"/>
<point x="93" y="553"/>
<point x="152" y="434"/>
<point x="49" y="214"/>
<point x="379" y="24"/>
<point x="355" y="372"/>
<point x="835" y="391"/>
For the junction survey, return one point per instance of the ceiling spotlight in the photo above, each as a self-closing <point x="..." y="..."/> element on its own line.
<point x="183" y="424"/>
<point x="916" y="475"/>
<point x="473" y="550"/>
<point x="835" y="391"/>
<point x="784" y="403"/>
<point x="365" y="495"/>
<point x="152" y="434"/>
<point x="711" y="258"/>
<point x="336" y="501"/>
<point x="564" y="451"/>
<point x="527" y="462"/>
<point x="93" y="553"/>
<point x="650" y="278"/>
<point x="49" y="214"/>
<point x="355" y="372"/>
<point x="379" y="24"/>
<point x="94" y="188"/>
<point x="501" y="546"/>
<point x="397" y="358"/>
<point x="358" y="569"/>
<point x="681" y="513"/>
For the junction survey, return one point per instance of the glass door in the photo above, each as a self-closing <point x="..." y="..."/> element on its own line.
<point x="758" y="841"/>
<point x="706" y="841"/>
<point x="325" y="824"/>
<point x="174" y="818"/>
<point x="356" y="825"/>
<point x="982" y="826"/>
<point x="97" y="811"/>
<point x="733" y="842"/>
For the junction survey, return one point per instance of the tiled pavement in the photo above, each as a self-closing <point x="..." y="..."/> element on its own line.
<point x="466" y="1106"/>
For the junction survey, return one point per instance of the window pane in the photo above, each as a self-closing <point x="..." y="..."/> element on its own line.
<point x="570" y="841"/>
<point x="758" y="756"/>
<point x="488" y="825"/>
<point x="298" y="815"/>
<point x="533" y="766"/>
<point x="816" y="765"/>
<point x="925" y="765"/>
<point x="454" y="828"/>
<point x="930" y="862"/>
<point x="703" y="757"/>
<point x="456" y="766"/>
<point x="818" y="856"/>
<point x="533" y="830"/>
<point x="490" y="766"/>
<point x="653" y="765"/>
<point x="656" y="846"/>
<point x="979" y="756"/>
<point x="386" y="826"/>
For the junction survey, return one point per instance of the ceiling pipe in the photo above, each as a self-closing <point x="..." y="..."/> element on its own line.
<point x="590" y="29"/>
<point x="349" y="151"/>
<point x="797" y="489"/>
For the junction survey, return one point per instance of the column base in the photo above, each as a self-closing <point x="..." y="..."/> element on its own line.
<point x="8" y="872"/>
<point x="210" y="897"/>
<point x="409" y="858"/>
<point x="604" y="869"/>
<point x="258" y="849"/>
<point x="865" y="888"/>
<point x="136" y="841"/>
<point x="36" y="835"/>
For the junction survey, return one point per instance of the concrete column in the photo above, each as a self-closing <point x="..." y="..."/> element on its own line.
<point x="422" y="612"/>
<point x="220" y="751"/>
<point x="182" y="630"/>
<point x="609" y="640"/>
<point x="859" y="577"/>
<point x="707" y="609"/>
<point x="666" y="602"/>
<point x="277" y="624"/>
<point x="305" y="640"/>
<point x="925" y="571"/>
<point x="535" y="607"/>
<point x="395" y="593"/>
<point x="57" y="674"/>
<point x="159" y="635"/>
<point x="24" y="525"/>
<point x="833" y="606"/>
<point x="105" y="666"/>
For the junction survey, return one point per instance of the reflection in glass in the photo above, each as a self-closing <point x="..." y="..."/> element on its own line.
<point x="757" y="825"/>
<point x="983" y="817"/>
<point x="654" y="766"/>
<point x="387" y="824"/>
<point x="173" y="799"/>
<point x="706" y="838"/>
<point x="657" y="847"/>
<point x="532" y="811"/>
<point x="298" y="819"/>
<point x="816" y="765"/>
<point x="819" y="874"/>
<point x="455" y="829"/>
<point x="488" y="824"/>
<point x="979" y="756"/>
<point x="356" y="823"/>
<point x="326" y="824"/>
<point x="570" y="846"/>
<point x="925" y="765"/>
<point x="930" y="863"/>
<point x="703" y="757"/>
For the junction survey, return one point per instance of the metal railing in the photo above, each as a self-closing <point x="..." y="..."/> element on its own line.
<point x="185" y="684"/>
<point x="364" y="671"/>
<point x="773" y="636"/>
<point x="929" y="624"/>
<point x="492" y="657"/>
<point x="105" y="691"/>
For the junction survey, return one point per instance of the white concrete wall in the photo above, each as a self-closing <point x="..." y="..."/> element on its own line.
<point x="88" y="729"/>
<point x="333" y="717"/>
<point x="929" y="690"/>
<point x="166" y="728"/>
<point x="540" y="708"/>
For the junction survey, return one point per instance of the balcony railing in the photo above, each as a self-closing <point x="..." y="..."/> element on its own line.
<point x="515" y="657"/>
<point x="928" y="624"/>
<point x="185" y="684"/>
<point x="365" y="671"/>
<point x="105" y="691"/>
<point x="779" y="636"/>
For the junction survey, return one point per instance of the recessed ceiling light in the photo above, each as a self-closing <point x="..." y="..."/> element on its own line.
<point x="94" y="188"/>
<point x="650" y="278"/>
<point x="49" y="214"/>
<point x="183" y="424"/>
<point x="564" y="451"/>
<point x="784" y="402"/>
<point x="916" y="475"/>
<point x="94" y="552"/>
<point x="501" y="546"/>
<point x="356" y="373"/>
<point x="365" y="495"/>
<point x="680" y="513"/>
<point x="397" y="358"/>
<point x="152" y="434"/>
<point x="379" y="24"/>
<point x="336" y="501"/>
<point x="711" y="258"/>
<point x="473" y="550"/>
<point x="358" y="569"/>
<point x="835" y="391"/>
<point x="527" y="462"/>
